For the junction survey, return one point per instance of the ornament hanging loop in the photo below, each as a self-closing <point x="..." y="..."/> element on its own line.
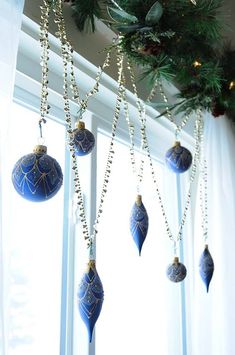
<point x="41" y="139"/>
<point x="40" y="122"/>
<point x="81" y="110"/>
<point x="92" y="248"/>
<point x="175" y="248"/>
<point x="177" y="132"/>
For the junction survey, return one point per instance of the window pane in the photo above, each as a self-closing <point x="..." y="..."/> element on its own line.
<point x="35" y="232"/>
<point x="134" y="316"/>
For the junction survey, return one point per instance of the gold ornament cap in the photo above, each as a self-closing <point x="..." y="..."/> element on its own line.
<point x="90" y="265"/>
<point x="80" y="125"/>
<point x="176" y="260"/>
<point x="177" y="144"/>
<point x="40" y="149"/>
<point x="138" y="200"/>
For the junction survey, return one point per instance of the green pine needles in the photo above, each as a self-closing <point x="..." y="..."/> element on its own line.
<point x="173" y="40"/>
<point x="85" y="13"/>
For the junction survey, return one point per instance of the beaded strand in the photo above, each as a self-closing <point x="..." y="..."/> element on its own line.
<point x="66" y="56"/>
<point x="193" y="170"/>
<point x="44" y="58"/>
<point x="203" y="187"/>
<point x="74" y="87"/>
<point x="131" y="130"/>
<point x="169" y="115"/>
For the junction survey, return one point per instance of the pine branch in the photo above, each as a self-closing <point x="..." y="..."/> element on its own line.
<point x="85" y="13"/>
<point x="163" y="71"/>
<point x="166" y="39"/>
<point x="139" y="8"/>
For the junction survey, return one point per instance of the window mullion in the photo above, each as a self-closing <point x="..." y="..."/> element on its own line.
<point x="67" y="286"/>
<point x="180" y="200"/>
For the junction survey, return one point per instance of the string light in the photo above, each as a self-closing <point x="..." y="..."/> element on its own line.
<point x="231" y="85"/>
<point x="197" y="64"/>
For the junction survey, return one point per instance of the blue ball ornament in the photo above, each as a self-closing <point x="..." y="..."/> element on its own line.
<point x="84" y="140"/>
<point x="90" y="297"/>
<point x="178" y="158"/>
<point x="37" y="176"/>
<point x="176" y="272"/>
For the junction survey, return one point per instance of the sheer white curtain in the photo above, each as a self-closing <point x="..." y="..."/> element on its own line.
<point x="10" y="23"/>
<point x="213" y="315"/>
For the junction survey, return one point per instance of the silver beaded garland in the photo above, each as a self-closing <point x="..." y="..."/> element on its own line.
<point x="169" y="115"/>
<point x="44" y="42"/>
<point x="66" y="50"/>
<point x="203" y="188"/>
<point x="68" y="65"/>
<point x="197" y="132"/>
<point x="138" y="173"/>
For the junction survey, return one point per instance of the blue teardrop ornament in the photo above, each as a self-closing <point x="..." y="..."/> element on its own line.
<point x="176" y="272"/>
<point x="37" y="176"/>
<point x="206" y="267"/>
<point x="178" y="158"/>
<point x="90" y="297"/>
<point x="84" y="140"/>
<point x="139" y="222"/>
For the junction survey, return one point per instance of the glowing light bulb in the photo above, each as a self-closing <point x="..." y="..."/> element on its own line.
<point x="197" y="64"/>
<point x="231" y="85"/>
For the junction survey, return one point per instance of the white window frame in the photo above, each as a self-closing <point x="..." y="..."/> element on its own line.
<point x="160" y="135"/>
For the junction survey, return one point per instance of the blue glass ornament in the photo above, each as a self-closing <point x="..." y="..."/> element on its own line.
<point x="90" y="297"/>
<point x="176" y="271"/>
<point x="206" y="267"/>
<point x="84" y="140"/>
<point x="139" y="222"/>
<point x="37" y="176"/>
<point x="178" y="158"/>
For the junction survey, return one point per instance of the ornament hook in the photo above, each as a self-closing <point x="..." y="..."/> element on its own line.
<point x="81" y="111"/>
<point x="41" y="139"/>
<point x="177" y="134"/>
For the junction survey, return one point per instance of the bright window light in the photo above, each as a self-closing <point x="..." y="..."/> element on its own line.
<point x="35" y="247"/>
<point x="134" y="316"/>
